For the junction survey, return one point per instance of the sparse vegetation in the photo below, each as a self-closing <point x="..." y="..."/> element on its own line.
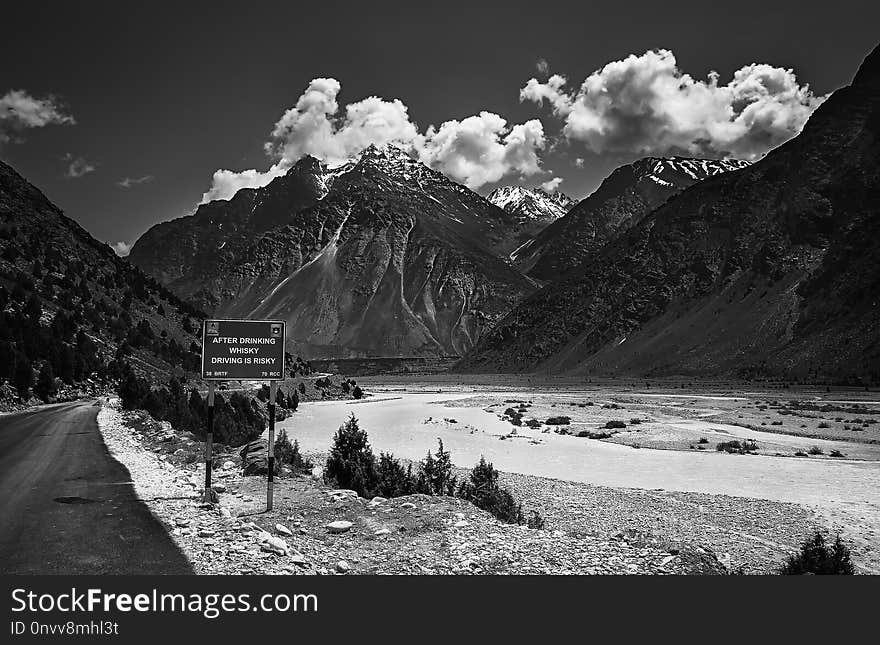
<point x="815" y="557"/>
<point x="352" y="464"/>
<point x="737" y="447"/>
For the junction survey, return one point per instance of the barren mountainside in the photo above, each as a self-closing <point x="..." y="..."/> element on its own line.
<point x="770" y="270"/>
<point x="621" y="201"/>
<point x="379" y="257"/>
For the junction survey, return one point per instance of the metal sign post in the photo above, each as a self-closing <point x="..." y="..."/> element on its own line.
<point x="243" y="350"/>
<point x="209" y="446"/>
<point x="273" y="392"/>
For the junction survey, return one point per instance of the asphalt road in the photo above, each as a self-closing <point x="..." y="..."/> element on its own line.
<point x="68" y="507"/>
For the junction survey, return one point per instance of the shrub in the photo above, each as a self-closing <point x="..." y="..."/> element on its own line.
<point x="816" y="450"/>
<point x="394" y="479"/>
<point x="558" y="421"/>
<point x="290" y="455"/>
<point x="593" y="435"/>
<point x="483" y="490"/>
<point x="737" y="447"/>
<point x="702" y="440"/>
<point x="837" y="453"/>
<point x="351" y="463"/>
<point x="823" y="425"/>
<point x="614" y="424"/>
<point x="435" y="474"/>
<point x="817" y="558"/>
<point x="635" y="421"/>
<point x="357" y="392"/>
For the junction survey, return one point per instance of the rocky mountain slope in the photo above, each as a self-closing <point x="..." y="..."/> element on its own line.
<point x="379" y="257"/>
<point x="532" y="208"/>
<point x="69" y="305"/>
<point x="771" y="270"/>
<point x="620" y="202"/>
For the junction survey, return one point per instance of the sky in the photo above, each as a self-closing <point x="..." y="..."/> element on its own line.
<point x="128" y="114"/>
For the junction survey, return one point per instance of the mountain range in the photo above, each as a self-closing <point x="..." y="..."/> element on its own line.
<point x="772" y="270"/>
<point x="621" y="201"/>
<point x="381" y="256"/>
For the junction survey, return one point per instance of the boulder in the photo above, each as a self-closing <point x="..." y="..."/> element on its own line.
<point x="339" y="526"/>
<point x="283" y="529"/>
<point x="255" y="457"/>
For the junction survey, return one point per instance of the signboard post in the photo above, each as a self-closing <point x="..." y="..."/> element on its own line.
<point x="243" y="350"/>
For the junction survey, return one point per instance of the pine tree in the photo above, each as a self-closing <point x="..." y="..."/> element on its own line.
<point x="24" y="376"/>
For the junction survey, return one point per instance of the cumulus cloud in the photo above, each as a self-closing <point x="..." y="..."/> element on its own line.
<point x="475" y="150"/>
<point x="20" y="111"/>
<point x="482" y="149"/>
<point x="77" y="166"/>
<point x="647" y="105"/>
<point x="128" y="182"/>
<point x="122" y="249"/>
<point x="552" y="185"/>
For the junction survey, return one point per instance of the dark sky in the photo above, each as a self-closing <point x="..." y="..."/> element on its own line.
<point x="177" y="90"/>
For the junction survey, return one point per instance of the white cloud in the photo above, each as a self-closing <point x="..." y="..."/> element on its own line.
<point x="20" y="111"/>
<point x="225" y="183"/>
<point x="579" y="162"/>
<point x="77" y="166"/>
<point x="128" y="182"/>
<point x="475" y="150"/>
<point x="482" y="149"/>
<point x="122" y="249"/>
<point x="647" y="105"/>
<point x="552" y="184"/>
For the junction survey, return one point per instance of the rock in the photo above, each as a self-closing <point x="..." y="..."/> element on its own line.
<point x="407" y="505"/>
<point x="382" y="532"/>
<point x="299" y="559"/>
<point x="283" y="529"/>
<point x="206" y="533"/>
<point x="339" y="526"/>
<point x="460" y="524"/>
<point x="317" y="472"/>
<point x="255" y="457"/>
<point x="226" y="513"/>
<point x="343" y="567"/>
<point x="182" y="521"/>
<point x="275" y="545"/>
<point x="219" y="488"/>
<point x="342" y="493"/>
<point x="228" y="465"/>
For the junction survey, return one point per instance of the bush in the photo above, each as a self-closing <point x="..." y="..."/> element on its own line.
<point x="351" y="463"/>
<point x="816" y="450"/>
<point x="816" y="558"/>
<point x="357" y="392"/>
<point x="483" y="491"/>
<point x="289" y="454"/>
<point x="702" y="440"/>
<point x="394" y="479"/>
<point x="837" y="453"/>
<point x="614" y="424"/>
<point x="435" y="474"/>
<point x="536" y="521"/>
<point x="823" y="425"/>
<point x="558" y="421"/>
<point x="737" y="447"/>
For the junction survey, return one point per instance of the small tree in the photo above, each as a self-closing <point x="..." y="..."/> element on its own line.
<point x="24" y="376"/>
<point x="351" y="463"/>
<point x="45" y="387"/>
<point x="815" y="557"/>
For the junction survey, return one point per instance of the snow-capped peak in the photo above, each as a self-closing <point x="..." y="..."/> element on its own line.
<point x="531" y="203"/>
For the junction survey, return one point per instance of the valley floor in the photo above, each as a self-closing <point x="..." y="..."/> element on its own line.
<point x="663" y="474"/>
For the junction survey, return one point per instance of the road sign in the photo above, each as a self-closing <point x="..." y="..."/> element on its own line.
<point x="243" y="350"/>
